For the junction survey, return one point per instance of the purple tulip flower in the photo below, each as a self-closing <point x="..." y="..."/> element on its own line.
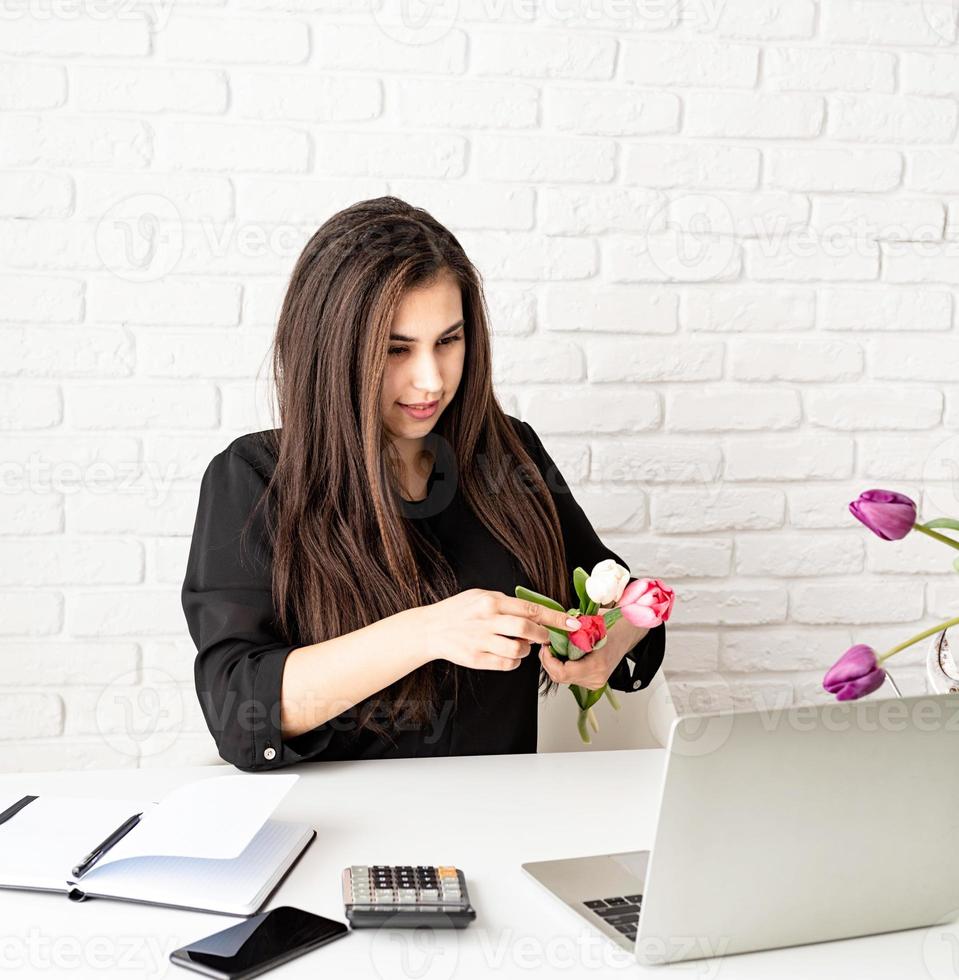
<point x="854" y="674"/>
<point x="889" y="514"/>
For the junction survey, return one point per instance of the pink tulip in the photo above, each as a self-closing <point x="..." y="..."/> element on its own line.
<point x="591" y="630"/>
<point x="854" y="674"/>
<point x="887" y="513"/>
<point x="646" y="602"/>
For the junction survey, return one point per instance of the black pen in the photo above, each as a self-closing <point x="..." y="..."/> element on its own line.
<point x="84" y="866"/>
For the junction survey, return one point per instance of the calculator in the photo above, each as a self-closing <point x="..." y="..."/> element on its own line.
<point x="406" y="895"/>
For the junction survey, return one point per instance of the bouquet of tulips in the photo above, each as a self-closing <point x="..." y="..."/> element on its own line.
<point x="645" y="603"/>
<point x="891" y="516"/>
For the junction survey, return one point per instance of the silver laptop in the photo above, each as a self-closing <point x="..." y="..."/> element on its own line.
<point x="782" y="827"/>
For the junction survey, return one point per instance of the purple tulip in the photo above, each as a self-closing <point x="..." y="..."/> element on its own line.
<point x="889" y="514"/>
<point x="854" y="674"/>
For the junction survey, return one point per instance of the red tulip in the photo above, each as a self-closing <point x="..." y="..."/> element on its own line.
<point x="591" y="630"/>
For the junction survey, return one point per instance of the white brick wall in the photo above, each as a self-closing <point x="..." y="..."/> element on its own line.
<point x="720" y="246"/>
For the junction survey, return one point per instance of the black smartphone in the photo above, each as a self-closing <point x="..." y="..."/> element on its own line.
<point x="259" y="943"/>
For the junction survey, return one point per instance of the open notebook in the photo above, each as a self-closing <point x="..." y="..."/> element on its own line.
<point x="207" y="845"/>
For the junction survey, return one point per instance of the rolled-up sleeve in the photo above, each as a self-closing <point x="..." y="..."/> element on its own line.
<point x="228" y="603"/>
<point x="584" y="549"/>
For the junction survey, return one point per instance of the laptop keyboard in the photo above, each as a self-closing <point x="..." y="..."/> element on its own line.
<point x="620" y="911"/>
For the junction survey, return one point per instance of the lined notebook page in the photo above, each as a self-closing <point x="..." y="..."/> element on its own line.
<point x="235" y="885"/>
<point x="40" y="845"/>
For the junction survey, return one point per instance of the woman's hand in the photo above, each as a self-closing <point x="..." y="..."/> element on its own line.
<point x="486" y="630"/>
<point x="592" y="670"/>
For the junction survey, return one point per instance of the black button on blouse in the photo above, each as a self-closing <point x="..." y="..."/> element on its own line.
<point x="227" y="601"/>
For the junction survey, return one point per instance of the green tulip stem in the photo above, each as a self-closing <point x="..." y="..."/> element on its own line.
<point x="592" y="719"/>
<point x="612" y="697"/>
<point x="581" y="725"/>
<point x="936" y="535"/>
<point x="918" y="637"/>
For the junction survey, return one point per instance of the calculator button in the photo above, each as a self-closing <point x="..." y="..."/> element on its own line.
<point x="596" y="903"/>
<point x="634" y="898"/>
<point x="616" y="901"/>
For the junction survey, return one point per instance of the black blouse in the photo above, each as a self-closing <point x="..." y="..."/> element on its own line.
<point x="227" y="600"/>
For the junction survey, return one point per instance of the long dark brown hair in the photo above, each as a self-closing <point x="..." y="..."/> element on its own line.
<point x="344" y="555"/>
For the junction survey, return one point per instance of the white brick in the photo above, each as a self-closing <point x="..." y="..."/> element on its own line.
<point x="933" y="171"/>
<point x="472" y="205"/>
<point x="262" y="301"/>
<point x="544" y="55"/>
<point x="715" y="606"/>
<point x="731" y="408"/>
<point x="30" y="513"/>
<point x="930" y="73"/>
<point x="678" y="511"/>
<point x="649" y="460"/>
<point x="28" y="86"/>
<point x="679" y="64"/>
<point x="237" y="40"/>
<point x="359" y="47"/>
<point x="654" y="360"/>
<point x="926" y="261"/>
<point x="29" y="406"/>
<point x="783" y="648"/>
<point x="71" y="351"/>
<point x="221" y="147"/>
<point x="914" y="359"/>
<point x="130" y="197"/>
<point x="50" y="36"/>
<point x="63" y="561"/>
<point x="384" y="154"/>
<point x="35" y="195"/>
<point x="130" y="613"/>
<point x="590" y="411"/>
<point x="892" y="119"/>
<point x="114" y="89"/>
<point x="861" y="408"/>
<point x="184" y="455"/>
<point x="512" y="310"/>
<point x="692" y="650"/>
<point x="29" y="715"/>
<point x="465" y="104"/>
<point x="916" y="554"/>
<point x="51" y="245"/>
<point x="203" y="353"/>
<point x="909" y="457"/>
<point x="620" y="309"/>
<point x="753" y="115"/>
<point x="691" y="165"/>
<point x="174" y="657"/>
<point x="40" y="298"/>
<point x="544" y="158"/>
<point x="151" y="506"/>
<point x="833" y="169"/>
<point x="823" y="506"/>
<point x="762" y="214"/>
<point x="738" y="309"/>
<point x="789" y="554"/>
<point x="280" y="96"/>
<point x="520" y="361"/>
<point x="294" y="200"/>
<point x="858" y="602"/>
<point x="788" y="457"/>
<point x="595" y="211"/>
<point x="890" y="219"/>
<point x="142" y="406"/>
<point x="885" y="309"/>
<point x="32" y="613"/>
<point x="620" y="17"/>
<point x="55" y="663"/>
<point x="171" y="302"/>
<point x="671" y="256"/>
<point x="895" y="23"/>
<point x="805" y="256"/>
<point x="804" y="360"/>
<point x="824" y="69"/>
<point x="611" y="112"/>
<point x="675" y="558"/>
<point x="763" y="19"/>
<point x="239" y="249"/>
<point x="170" y="559"/>
<point x="513" y="255"/>
<point x="943" y="597"/>
<point x="90" y="141"/>
<point x="58" y="754"/>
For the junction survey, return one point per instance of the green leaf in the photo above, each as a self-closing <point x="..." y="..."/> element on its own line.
<point x="579" y="693"/>
<point x="612" y="617"/>
<point x="559" y="642"/>
<point x="592" y="697"/>
<point x="579" y="582"/>
<point x="942" y="522"/>
<point x="542" y="600"/>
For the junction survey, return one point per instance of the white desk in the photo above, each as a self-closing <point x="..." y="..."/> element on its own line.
<point x="485" y="814"/>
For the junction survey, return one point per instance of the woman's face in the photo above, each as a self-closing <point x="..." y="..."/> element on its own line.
<point x="425" y="360"/>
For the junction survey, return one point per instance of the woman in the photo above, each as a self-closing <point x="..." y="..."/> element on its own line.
<point x="350" y="583"/>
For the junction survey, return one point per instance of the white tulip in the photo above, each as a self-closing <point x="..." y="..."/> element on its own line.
<point x="606" y="584"/>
